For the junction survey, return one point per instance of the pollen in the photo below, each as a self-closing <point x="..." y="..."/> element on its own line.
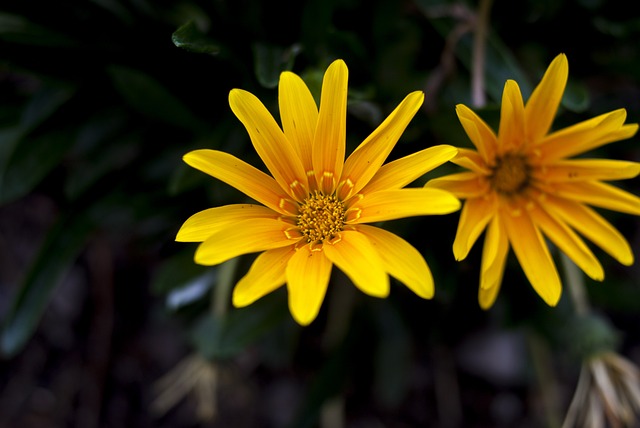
<point x="511" y="174"/>
<point x="320" y="217"/>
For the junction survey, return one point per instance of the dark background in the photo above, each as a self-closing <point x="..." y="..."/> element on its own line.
<point x="100" y="99"/>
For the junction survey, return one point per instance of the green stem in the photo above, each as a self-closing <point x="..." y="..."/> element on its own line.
<point x="478" y="96"/>
<point x="575" y="284"/>
<point x="222" y="290"/>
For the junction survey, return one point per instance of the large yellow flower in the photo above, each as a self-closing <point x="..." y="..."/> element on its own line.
<point x="316" y="204"/>
<point x="521" y="186"/>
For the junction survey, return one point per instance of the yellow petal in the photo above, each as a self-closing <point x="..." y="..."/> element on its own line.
<point x="593" y="226"/>
<point x="511" y="135"/>
<point x="482" y="137"/>
<point x="543" y="104"/>
<point x="487" y="296"/>
<point x="601" y="195"/>
<point x="567" y="240"/>
<point x="244" y="237"/>
<point x="308" y="274"/>
<point x="587" y="135"/>
<point x="534" y="256"/>
<point x="587" y="169"/>
<point x="267" y="273"/>
<point x="366" y="160"/>
<point x="401" y="260"/>
<point x="494" y="257"/>
<point x="272" y="146"/>
<point x="476" y="214"/>
<point x="299" y="115"/>
<point x="394" y="204"/>
<point x="462" y="185"/>
<point x="330" y="138"/>
<point x="205" y="223"/>
<point x="244" y="177"/>
<point x="359" y="259"/>
<point x="403" y="171"/>
<point x="472" y="160"/>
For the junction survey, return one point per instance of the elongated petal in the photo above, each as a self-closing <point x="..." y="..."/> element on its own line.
<point x="244" y="237"/>
<point x="593" y="226"/>
<point x="403" y="171"/>
<point x="267" y="273"/>
<point x="482" y="137"/>
<point x="472" y="160"/>
<point x="394" y="204"/>
<point x="584" y="136"/>
<point x="567" y="240"/>
<point x="534" y="256"/>
<point x="494" y="257"/>
<point x="330" y="138"/>
<point x="543" y="104"/>
<point x="366" y="160"/>
<point x="299" y="115"/>
<point x="359" y="259"/>
<point x="244" y="177"/>
<point x="474" y="217"/>
<point x="511" y="135"/>
<point x="274" y="148"/>
<point x="462" y="185"/>
<point x="601" y="195"/>
<point x="401" y="260"/>
<point x="308" y="274"/>
<point x="588" y="169"/>
<point x="202" y="225"/>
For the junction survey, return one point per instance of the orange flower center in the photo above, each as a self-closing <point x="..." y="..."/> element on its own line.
<point x="511" y="174"/>
<point x="320" y="217"/>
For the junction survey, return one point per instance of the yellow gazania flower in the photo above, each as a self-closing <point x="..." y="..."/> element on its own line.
<point x="522" y="185"/>
<point x="316" y="205"/>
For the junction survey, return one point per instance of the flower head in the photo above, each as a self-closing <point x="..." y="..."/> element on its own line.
<point x="315" y="205"/>
<point x="522" y="186"/>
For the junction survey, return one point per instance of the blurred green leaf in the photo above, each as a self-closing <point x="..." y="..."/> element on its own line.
<point x="43" y="104"/>
<point x="176" y="272"/>
<point x="392" y="357"/>
<point x="190" y="38"/>
<point x="221" y="338"/>
<point x="576" y="97"/>
<point x="17" y="29"/>
<point x="271" y="60"/>
<point x="150" y="98"/>
<point x="31" y="161"/>
<point x="62" y="246"/>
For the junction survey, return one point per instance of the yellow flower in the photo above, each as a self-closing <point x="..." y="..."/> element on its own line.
<point x="521" y="186"/>
<point x="315" y="207"/>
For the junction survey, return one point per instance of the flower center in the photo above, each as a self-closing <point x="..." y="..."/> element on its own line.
<point x="511" y="174"/>
<point x="320" y="217"/>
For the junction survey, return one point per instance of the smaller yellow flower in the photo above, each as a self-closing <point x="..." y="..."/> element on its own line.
<point x="315" y="206"/>
<point x="521" y="185"/>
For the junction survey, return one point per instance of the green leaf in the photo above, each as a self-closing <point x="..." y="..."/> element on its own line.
<point x="17" y="29"/>
<point x="176" y="272"/>
<point x="61" y="248"/>
<point x="271" y="60"/>
<point x="150" y="98"/>
<point x="221" y="338"/>
<point x="43" y="104"/>
<point x="190" y="38"/>
<point x="31" y="161"/>
<point x="392" y="358"/>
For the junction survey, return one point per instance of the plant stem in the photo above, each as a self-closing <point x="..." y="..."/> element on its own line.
<point x="478" y="97"/>
<point x="575" y="284"/>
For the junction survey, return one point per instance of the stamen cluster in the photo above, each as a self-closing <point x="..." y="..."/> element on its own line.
<point x="320" y="217"/>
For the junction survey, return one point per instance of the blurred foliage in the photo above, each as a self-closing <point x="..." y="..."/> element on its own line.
<point x="100" y="100"/>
